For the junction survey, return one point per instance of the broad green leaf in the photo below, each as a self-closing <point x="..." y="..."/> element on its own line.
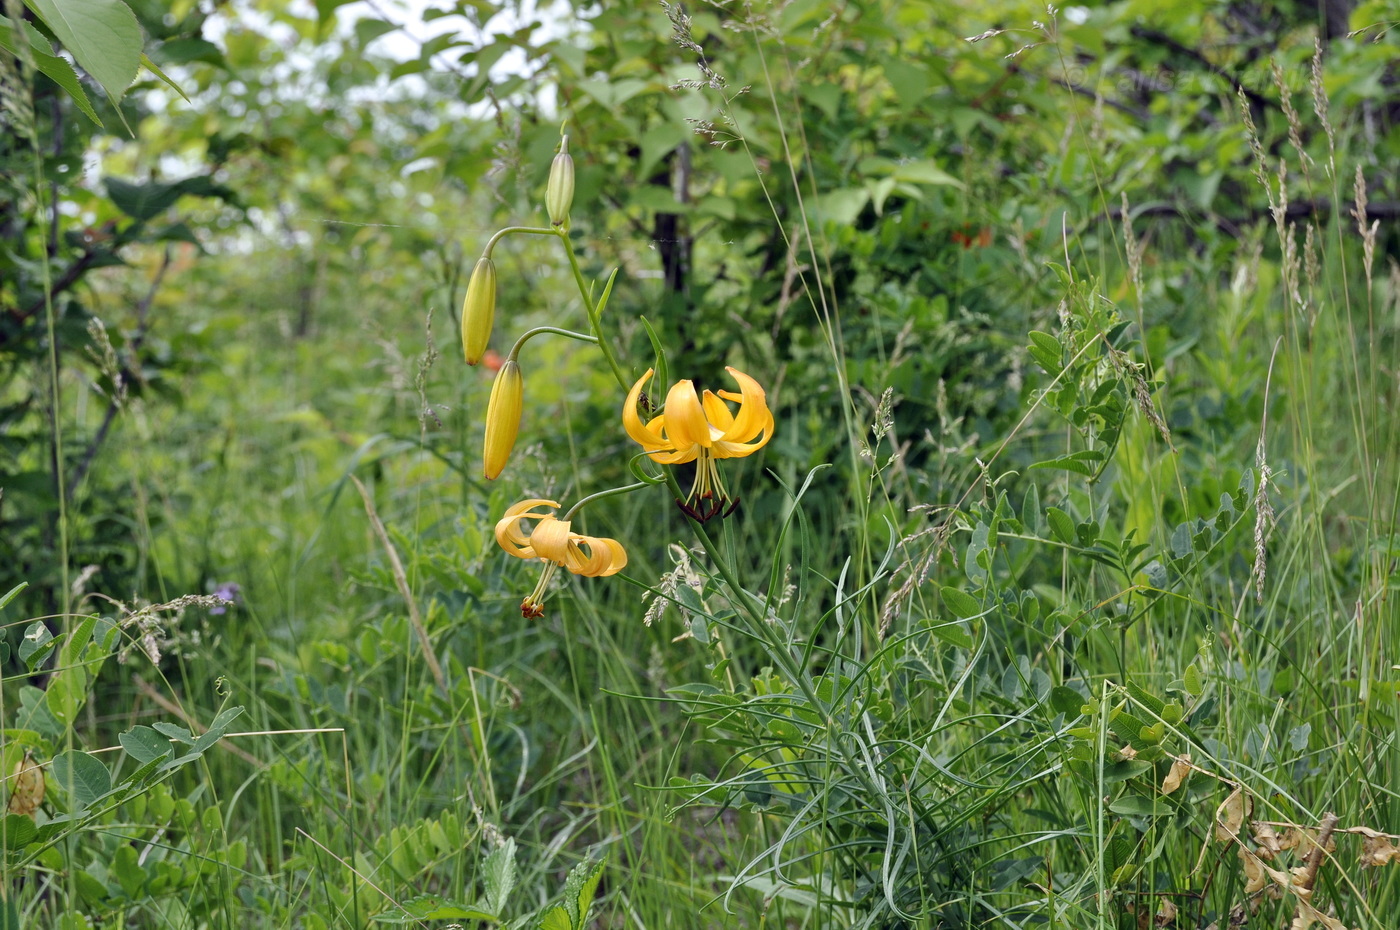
<point x="55" y="68"/>
<point x="19" y="831"/>
<point x="34" y="713"/>
<point x="175" y="732"/>
<point x="1137" y="806"/>
<point x="954" y="633"/>
<point x="498" y="875"/>
<point x="1065" y="700"/>
<point x="126" y="868"/>
<point x="145" y="201"/>
<point x="1060" y="524"/>
<point x="963" y="605"/>
<point x="556" y="918"/>
<point x="144" y="744"/>
<point x="66" y="693"/>
<point x="37" y="643"/>
<point x="103" y="36"/>
<point x="840" y="207"/>
<point x="82" y="776"/>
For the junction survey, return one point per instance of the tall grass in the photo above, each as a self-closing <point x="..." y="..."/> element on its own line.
<point x="909" y="711"/>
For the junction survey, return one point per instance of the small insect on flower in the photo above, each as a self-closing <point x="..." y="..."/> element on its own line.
<point x="702" y="430"/>
<point x="28" y="789"/>
<point x="551" y="541"/>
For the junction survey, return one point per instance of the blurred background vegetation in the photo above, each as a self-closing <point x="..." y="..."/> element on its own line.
<point x="226" y="292"/>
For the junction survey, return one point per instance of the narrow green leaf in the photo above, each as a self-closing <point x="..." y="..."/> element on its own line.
<point x="151" y="67"/>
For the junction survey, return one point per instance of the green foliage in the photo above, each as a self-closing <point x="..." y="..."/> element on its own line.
<point x="1043" y="365"/>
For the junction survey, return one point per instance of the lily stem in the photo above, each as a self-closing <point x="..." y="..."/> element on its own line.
<point x="539" y="330"/>
<point x="610" y="492"/>
<point x="594" y="320"/>
<point x="525" y="230"/>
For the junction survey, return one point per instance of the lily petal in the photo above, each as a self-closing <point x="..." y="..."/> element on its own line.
<point x="753" y="409"/>
<point x="511" y="536"/>
<point x="649" y="439"/>
<point x="686" y="425"/>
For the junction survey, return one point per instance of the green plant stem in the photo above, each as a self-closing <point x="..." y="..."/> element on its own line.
<point x="523" y="230"/>
<point x="610" y="492"/>
<point x="540" y="330"/>
<point x="594" y="318"/>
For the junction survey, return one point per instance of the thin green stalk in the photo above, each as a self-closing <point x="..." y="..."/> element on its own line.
<point x="523" y="230"/>
<point x="540" y="330"/>
<point x="594" y="318"/>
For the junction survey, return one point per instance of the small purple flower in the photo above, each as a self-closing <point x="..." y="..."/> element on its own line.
<point x="230" y="593"/>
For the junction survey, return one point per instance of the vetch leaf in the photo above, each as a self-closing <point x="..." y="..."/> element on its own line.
<point x="144" y="744"/>
<point x="36" y="644"/>
<point x="82" y="776"/>
<point x="1060" y="524"/>
<point x="963" y="605"/>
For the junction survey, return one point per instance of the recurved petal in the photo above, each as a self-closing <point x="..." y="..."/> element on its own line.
<point x="753" y="409"/>
<point x="686" y="425"/>
<point x="723" y="449"/>
<point x="551" y="540"/>
<point x="605" y="556"/>
<point x="510" y="531"/>
<point x="645" y="436"/>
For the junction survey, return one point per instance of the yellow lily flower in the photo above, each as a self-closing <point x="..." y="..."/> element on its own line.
<point x="702" y="430"/>
<point x="551" y="541"/>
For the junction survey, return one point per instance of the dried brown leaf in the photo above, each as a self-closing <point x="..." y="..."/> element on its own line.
<point x="1377" y="850"/>
<point x="1267" y="840"/>
<point x="28" y="790"/>
<point x="1179" y="770"/>
<point x="1229" y="816"/>
<point x="1308" y="915"/>
<point x="1166" y="913"/>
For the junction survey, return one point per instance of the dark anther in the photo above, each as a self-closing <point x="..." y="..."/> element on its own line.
<point x="730" y="509"/>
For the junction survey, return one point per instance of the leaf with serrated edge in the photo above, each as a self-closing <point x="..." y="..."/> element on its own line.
<point x="103" y="36"/>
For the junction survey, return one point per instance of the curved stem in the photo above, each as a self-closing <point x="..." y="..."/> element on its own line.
<point x="527" y="230"/>
<point x="538" y="330"/>
<point x="593" y="317"/>
<point x="610" y="492"/>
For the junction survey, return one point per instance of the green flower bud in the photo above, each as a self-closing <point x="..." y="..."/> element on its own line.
<point x="502" y="418"/>
<point x="479" y="310"/>
<point x="559" y="195"/>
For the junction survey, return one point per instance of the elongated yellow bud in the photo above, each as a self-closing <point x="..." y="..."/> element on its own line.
<point x="559" y="195"/>
<point x="502" y="418"/>
<point x="479" y="310"/>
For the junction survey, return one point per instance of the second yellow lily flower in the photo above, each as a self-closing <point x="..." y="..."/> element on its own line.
<point x="702" y="429"/>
